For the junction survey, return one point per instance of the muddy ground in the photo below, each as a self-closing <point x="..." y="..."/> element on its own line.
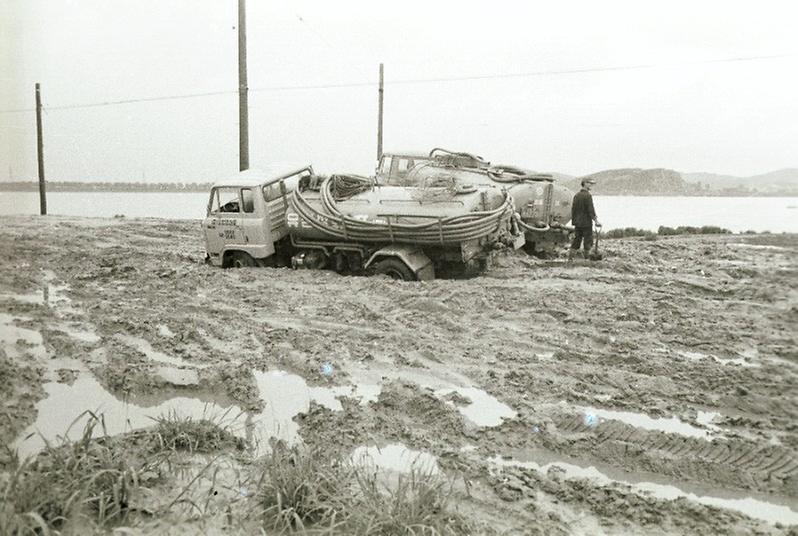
<point x="654" y="392"/>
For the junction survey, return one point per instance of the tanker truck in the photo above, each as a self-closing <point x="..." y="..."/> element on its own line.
<point x="352" y="225"/>
<point x="544" y="206"/>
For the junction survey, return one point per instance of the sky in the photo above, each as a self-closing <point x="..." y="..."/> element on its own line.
<point x="569" y="86"/>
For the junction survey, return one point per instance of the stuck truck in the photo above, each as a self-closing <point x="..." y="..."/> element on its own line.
<point x="352" y="225"/>
<point x="544" y="206"/>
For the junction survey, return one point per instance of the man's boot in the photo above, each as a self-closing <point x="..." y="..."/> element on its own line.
<point x="571" y="253"/>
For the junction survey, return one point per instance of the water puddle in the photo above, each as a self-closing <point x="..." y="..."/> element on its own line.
<point x="482" y="409"/>
<point x="178" y="377"/>
<point x="705" y="419"/>
<point x="756" y="508"/>
<point x="16" y="340"/>
<point x="144" y="346"/>
<point x="61" y="412"/>
<point x="697" y="356"/>
<point x="744" y="245"/>
<point x="51" y="295"/>
<point x="164" y="331"/>
<point x="640" y="420"/>
<point x="83" y="335"/>
<point x="395" y="457"/>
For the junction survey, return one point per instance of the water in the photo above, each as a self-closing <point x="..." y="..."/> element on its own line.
<point x="640" y="420"/>
<point x="482" y="409"/>
<point x="62" y="412"/>
<point x="395" y="457"/>
<point x="738" y="214"/>
<point x="734" y="213"/>
<point x="171" y="205"/>
<point x="757" y="508"/>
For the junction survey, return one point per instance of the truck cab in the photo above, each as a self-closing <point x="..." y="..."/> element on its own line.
<point x="245" y="216"/>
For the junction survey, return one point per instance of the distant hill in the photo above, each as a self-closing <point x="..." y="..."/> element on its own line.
<point x="660" y="181"/>
<point x="636" y="181"/>
<point x="783" y="180"/>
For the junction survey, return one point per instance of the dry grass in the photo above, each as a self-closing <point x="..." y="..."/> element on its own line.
<point x="312" y="492"/>
<point x="175" y="433"/>
<point x="88" y="480"/>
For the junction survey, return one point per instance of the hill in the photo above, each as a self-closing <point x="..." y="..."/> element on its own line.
<point x="636" y="181"/>
<point x="782" y="180"/>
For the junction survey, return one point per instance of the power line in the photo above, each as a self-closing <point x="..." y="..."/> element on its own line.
<point x="498" y="76"/>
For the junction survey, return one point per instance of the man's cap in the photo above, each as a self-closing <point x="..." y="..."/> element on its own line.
<point x="588" y="181"/>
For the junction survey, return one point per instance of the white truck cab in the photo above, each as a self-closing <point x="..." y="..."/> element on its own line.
<point x="236" y="231"/>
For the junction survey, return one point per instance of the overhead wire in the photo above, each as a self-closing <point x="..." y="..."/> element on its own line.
<point x="495" y="76"/>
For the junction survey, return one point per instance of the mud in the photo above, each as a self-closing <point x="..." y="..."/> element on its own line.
<point x="653" y="392"/>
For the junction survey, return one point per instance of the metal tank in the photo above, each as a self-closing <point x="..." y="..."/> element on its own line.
<point x="542" y="205"/>
<point x="355" y="208"/>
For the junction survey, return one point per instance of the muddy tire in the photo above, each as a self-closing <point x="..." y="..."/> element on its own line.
<point x="393" y="268"/>
<point x="240" y="259"/>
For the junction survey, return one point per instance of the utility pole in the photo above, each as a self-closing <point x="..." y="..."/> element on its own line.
<point x="379" y="116"/>
<point x="40" y="152"/>
<point x="243" y="111"/>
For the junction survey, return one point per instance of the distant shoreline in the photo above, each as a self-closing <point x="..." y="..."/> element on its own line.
<point x="192" y="188"/>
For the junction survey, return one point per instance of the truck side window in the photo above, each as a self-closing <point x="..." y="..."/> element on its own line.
<point x="385" y="168"/>
<point x="225" y="200"/>
<point x="247" y="200"/>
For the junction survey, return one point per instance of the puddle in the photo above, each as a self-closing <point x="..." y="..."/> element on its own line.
<point x="395" y="457"/>
<point x="51" y="295"/>
<point x="640" y="420"/>
<point x="83" y="335"/>
<point x="483" y="409"/>
<point x="164" y="331"/>
<point x="696" y="356"/>
<point x="178" y="377"/>
<point x="285" y="396"/>
<point x="705" y="418"/>
<point x="144" y="346"/>
<point x="16" y="340"/>
<point x="748" y="505"/>
<point x="744" y="245"/>
<point x="59" y="413"/>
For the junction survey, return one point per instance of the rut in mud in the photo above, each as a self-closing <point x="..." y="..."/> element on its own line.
<point x="670" y="368"/>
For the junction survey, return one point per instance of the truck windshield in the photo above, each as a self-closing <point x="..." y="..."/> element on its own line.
<point x="224" y="200"/>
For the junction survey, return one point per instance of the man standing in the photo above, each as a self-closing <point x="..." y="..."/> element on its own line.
<point x="582" y="217"/>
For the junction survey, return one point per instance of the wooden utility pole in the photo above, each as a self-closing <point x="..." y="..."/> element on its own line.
<point x="379" y="116"/>
<point x="40" y="152"/>
<point x="243" y="111"/>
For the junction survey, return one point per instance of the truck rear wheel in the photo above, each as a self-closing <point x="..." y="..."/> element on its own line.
<point x="241" y="259"/>
<point x="393" y="268"/>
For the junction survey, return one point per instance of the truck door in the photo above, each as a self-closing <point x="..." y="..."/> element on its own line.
<point x="254" y="225"/>
<point x="223" y="224"/>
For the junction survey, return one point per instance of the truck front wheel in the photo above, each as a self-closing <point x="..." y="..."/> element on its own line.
<point x="393" y="268"/>
<point x="241" y="259"/>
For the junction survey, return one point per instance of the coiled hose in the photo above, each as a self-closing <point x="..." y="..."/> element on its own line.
<point x="516" y="174"/>
<point x="445" y="230"/>
<point x="345" y="186"/>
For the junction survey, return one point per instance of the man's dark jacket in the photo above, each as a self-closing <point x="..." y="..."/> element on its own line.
<point x="582" y="211"/>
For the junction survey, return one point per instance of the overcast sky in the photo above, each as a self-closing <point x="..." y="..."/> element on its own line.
<point x="682" y="110"/>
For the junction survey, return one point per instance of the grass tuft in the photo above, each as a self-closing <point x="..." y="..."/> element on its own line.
<point x="173" y="432"/>
<point x="89" y="478"/>
<point x="302" y="488"/>
<point x="310" y="491"/>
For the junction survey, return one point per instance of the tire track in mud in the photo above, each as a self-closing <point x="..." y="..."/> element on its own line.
<point x="728" y="461"/>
